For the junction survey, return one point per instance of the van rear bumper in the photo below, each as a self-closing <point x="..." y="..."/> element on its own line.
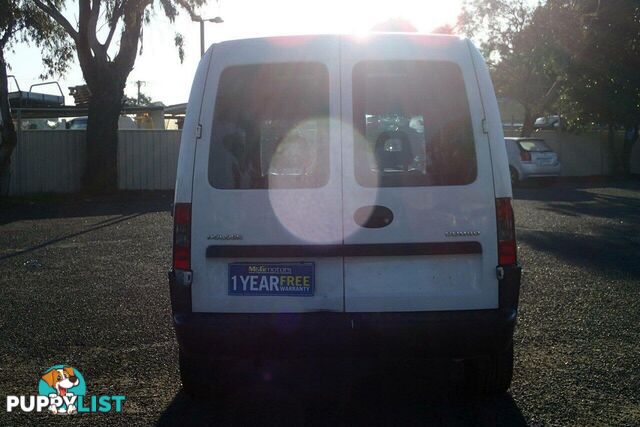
<point x="431" y="334"/>
<point x="447" y="334"/>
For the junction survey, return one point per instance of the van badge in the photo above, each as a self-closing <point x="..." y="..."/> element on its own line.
<point x="461" y="233"/>
<point x="224" y="237"/>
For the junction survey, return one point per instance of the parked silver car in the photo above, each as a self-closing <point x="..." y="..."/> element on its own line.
<point x="531" y="158"/>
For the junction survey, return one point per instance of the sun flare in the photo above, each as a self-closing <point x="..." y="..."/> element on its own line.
<point x="246" y="17"/>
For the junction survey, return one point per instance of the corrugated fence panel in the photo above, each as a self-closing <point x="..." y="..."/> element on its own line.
<point x="53" y="161"/>
<point x="47" y="161"/>
<point x="581" y="155"/>
<point x="147" y="159"/>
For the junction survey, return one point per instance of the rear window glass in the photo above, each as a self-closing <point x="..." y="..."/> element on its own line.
<point x="534" y="145"/>
<point x="412" y="125"/>
<point x="270" y="127"/>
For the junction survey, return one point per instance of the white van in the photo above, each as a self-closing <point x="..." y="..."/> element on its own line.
<point x="344" y="196"/>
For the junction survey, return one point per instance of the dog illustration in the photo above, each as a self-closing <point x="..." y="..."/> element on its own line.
<point x="61" y="380"/>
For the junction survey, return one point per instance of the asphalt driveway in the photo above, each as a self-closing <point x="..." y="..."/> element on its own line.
<point x="83" y="282"/>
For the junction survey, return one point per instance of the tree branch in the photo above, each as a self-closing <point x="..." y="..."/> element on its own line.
<point x="549" y="96"/>
<point x="133" y="19"/>
<point x="186" y="6"/>
<point x="51" y="10"/>
<point x="83" y="44"/>
<point x="96" y="47"/>
<point x="113" y="23"/>
<point x="8" y="32"/>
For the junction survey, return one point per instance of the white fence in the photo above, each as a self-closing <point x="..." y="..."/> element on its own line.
<point x="147" y="159"/>
<point x="53" y="161"/>
<point x="47" y="161"/>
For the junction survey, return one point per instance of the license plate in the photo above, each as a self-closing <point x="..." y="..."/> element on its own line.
<point x="279" y="279"/>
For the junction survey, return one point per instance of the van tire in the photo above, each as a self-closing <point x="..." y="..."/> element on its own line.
<point x="489" y="375"/>
<point x="194" y="376"/>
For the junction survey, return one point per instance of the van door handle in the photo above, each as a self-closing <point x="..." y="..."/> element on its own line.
<point x="373" y="216"/>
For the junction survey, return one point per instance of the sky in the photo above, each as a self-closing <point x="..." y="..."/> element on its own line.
<point x="165" y="79"/>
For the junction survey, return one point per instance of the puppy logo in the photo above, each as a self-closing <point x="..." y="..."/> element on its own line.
<point x="62" y="390"/>
<point x="63" y="385"/>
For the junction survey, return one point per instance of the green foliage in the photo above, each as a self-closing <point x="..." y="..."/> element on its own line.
<point x="518" y="52"/>
<point x="100" y="21"/>
<point x="142" y="101"/>
<point x="496" y="23"/>
<point x="179" y="41"/>
<point x="22" y="22"/>
<point x="602" y="79"/>
<point x="579" y="58"/>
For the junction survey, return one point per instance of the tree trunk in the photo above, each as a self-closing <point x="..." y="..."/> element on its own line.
<point x="527" y="124"/>
<point x="8" y="135"/>
<point x="101" y="173"/>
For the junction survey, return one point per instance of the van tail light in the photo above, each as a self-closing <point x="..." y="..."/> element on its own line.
<point x="182" y="236"/>
<point x="525" y="156"/>
<point x="507" y="249"/>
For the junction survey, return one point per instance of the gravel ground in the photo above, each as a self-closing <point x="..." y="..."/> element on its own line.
<point x="95" y="296"/>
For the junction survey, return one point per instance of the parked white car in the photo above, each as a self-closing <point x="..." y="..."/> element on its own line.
<point x="341" y="196"/>
<point x="531" y="158"/>
<point x="547" y="122"/>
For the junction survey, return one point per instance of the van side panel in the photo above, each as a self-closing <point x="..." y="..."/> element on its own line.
<point x="184" y="177"/>
<point x="500" y="161"/>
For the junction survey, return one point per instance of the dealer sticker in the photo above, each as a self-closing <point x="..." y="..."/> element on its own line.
<point x="283" y="279"/>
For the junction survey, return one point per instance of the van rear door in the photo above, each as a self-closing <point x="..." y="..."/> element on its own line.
<point x="418" y="197"/>
<point x="267" y="179"/>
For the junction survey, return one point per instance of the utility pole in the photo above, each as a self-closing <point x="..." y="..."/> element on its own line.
<point x="201" y="39"/>
<point x="139" y="83"/>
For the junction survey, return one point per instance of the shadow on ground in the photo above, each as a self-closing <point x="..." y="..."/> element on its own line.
<point x="77" y="205"/>
<point x="380" y="395"/>
<point x="611" y="210"/>
<point x="93" y="227"/>
<point x="610" y="254"/>
<point x="578" y="200"/>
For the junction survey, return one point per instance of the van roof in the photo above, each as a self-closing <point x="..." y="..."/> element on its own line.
<point x="300" y="38"/>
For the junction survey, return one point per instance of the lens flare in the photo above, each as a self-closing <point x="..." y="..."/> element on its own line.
<point x="306" y="184"/>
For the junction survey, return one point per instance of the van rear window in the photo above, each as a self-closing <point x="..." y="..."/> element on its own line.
<point x="412" y="125"/>
<point x="271" y="127"/>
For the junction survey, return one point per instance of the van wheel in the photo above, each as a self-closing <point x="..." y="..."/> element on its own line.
<point x="195" y="377"/>
<point x="489" y="375"/>
<point x="515" y="180"/>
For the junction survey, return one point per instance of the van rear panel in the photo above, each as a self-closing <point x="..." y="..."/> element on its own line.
<point x="330" y="153"/>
